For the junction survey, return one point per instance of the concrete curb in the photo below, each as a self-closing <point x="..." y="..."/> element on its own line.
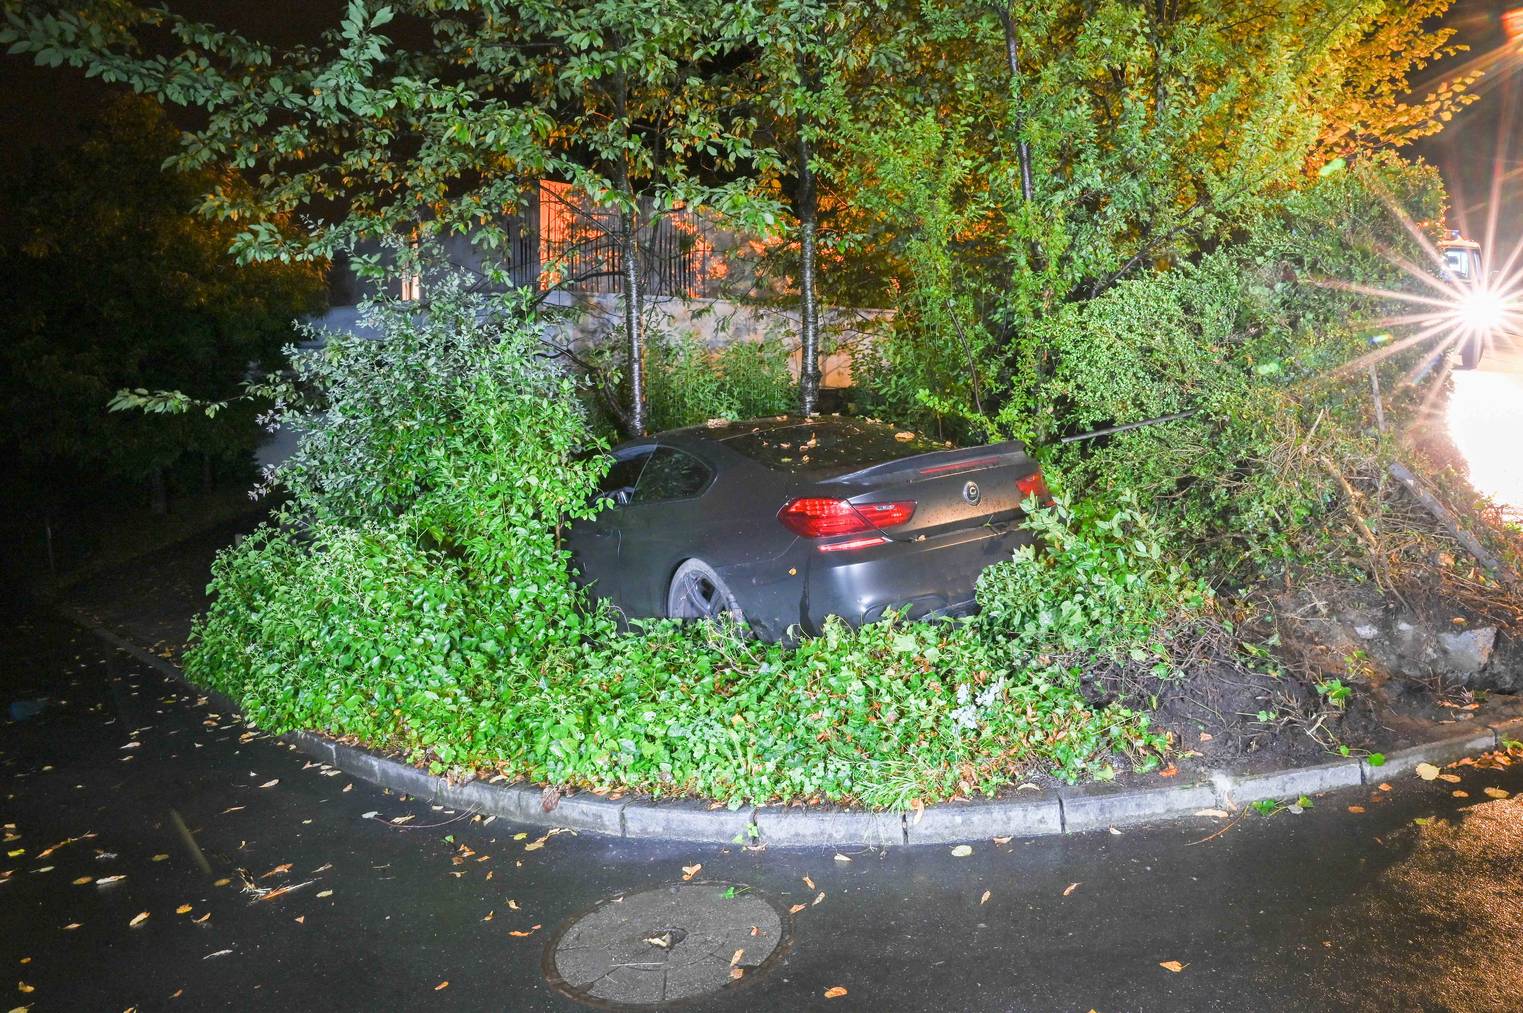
<point x="1068" y="810"/>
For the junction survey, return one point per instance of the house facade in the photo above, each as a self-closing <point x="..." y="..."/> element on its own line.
<point x="697" y="279"/>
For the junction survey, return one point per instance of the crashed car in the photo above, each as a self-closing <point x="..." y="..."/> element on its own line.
<point x="782" y="522"/>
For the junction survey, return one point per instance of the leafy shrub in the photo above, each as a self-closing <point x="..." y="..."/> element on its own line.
<point x="689" y="383"/>
<point x="1099" y="584"/>
<point x="424" y="604"/>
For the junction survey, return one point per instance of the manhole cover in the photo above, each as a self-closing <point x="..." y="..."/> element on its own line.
<point x="664" y="945"/>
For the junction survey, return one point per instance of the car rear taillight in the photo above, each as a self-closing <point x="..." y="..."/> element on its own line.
<point x="1034" y="485"/>
<point x="817" y="517"/>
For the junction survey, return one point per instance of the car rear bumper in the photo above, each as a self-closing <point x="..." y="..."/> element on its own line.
<point x="932" y="577"/>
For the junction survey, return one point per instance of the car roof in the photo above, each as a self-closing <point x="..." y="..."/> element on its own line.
<point x="720" y="430"/>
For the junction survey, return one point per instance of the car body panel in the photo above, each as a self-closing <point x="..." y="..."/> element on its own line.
<point x="782" y="580"/>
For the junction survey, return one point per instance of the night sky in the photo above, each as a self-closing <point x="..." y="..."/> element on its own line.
<point x="45" y="106"/>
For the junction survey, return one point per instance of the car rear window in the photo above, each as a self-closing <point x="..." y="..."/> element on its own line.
<point x="831" y="444"/>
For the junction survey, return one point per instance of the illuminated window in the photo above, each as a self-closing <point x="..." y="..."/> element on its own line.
<point x="412" y="285"/>
<point x="579" y="247"/>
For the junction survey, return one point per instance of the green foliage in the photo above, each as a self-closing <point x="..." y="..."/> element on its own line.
<point x="689" y="383"/>
<point x="416" y="596"/>
<point x="1098" y="584"/>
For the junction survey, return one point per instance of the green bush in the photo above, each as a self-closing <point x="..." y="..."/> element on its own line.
<point x="415" y="595"/>
<point x="1099" y="585"/>
<point x="689" y="383"/>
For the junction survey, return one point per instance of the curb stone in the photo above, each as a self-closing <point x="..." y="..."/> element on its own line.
<point x="799" y="826"/>
<point x="1438" y="752"/>
<point x="1233" y="791"/>
<point x="1096" y="807"/>
<point x="1070" y="810"/>
<point x="688" y="820"/>
<point x="1508" y="731"/>
<point x="965" y="821"/>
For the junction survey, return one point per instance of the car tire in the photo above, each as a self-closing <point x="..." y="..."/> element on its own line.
<point x="698" y="593"/>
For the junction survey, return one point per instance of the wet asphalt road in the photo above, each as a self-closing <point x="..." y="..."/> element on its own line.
<point x="1326" y="910"/>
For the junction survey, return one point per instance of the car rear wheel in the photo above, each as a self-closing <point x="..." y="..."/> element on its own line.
<point x="697" y="592"/>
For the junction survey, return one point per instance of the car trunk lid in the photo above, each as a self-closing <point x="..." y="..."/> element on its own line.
<point x="952" y="489"/>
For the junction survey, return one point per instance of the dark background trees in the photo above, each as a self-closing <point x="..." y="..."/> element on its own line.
<point x="113" y="280"/>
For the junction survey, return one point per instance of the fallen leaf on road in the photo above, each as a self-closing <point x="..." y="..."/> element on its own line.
<point x="183" y="909"/>
<point x="324" y="893"/>
<point x="736" y="973"/>
<point x="842" y="858"/>
<point x="22" y="986"/>
<point x="203" y="919"/>
<point x="1113" y="830"/>
<point x="1496" y="792"/>
<point x="817" y="898"/>
<point x="82" y="880"/>
<point x="834" y="992"/>
<point x="1383" y="786"/>
<point x="1427" y="771"/>
<point x="1451" y="778"/>
<point x="222" y="882"/>
<point x="1356" y="808"/>
<point x="372" y="814"/>
<point x="1002" y="840"/>
<point x="795" y="909"/>
<point x="1070" y="889"/>
<point x="138" y="919"/>
<point x="962" y="851"/>
<point x="531" y="932"/>
<point x="1217" y="814"/>
<point x="1173" y="965"/>
<point x="984" y="899"/>
<point x="735" y="957"/>
<point x="161" y="858"/>
<point x="71" y="926"/>
<point x="537" y="843"/>
<point x="1460" y="794"/>
<point x="219" y="953"/>
<point x="809" y="882"/>
<point x="919" y="809"/>
<point x="512" y="904"/>
<point x="270" y="783"/>
<point x="108" y="880"/>
<point x="399" y="820"/>
<point x="441" y="986"/>
<point x="301" y="919"/>
<point x="689" y="871"/>
<point x="1170" y="771"/>
<point x="279" y="870"/>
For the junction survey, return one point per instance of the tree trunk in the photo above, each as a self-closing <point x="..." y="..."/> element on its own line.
<point x="1013" y="59"/>
<point x="629" y="267"/>
<point x="809" y="311"/>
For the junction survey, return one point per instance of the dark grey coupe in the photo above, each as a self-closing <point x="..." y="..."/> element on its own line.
<point x="784" y="521"/>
